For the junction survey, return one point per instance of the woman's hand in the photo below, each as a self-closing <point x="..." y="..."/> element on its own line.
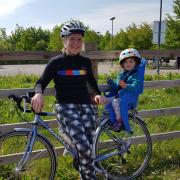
<point x="122" y="84"/>
<point x="100" y="99"/>
<point x="37" y="102"/>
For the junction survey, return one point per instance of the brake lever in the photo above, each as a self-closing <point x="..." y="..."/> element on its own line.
<point x="26" y="100"/>
<point x="24" y="105"/>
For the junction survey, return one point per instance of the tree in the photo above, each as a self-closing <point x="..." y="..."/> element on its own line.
<point x="173" y="27"/>
<point x="4" y="40"/>
<point x="176" y="8"/>
<point x="55" y="43"/>
<point x="105" y="41"/>
<point x="90" y="35"/>
<point x="140" y="37"/>
<point x="121" y="40"/>
<point x="30" y="38"/>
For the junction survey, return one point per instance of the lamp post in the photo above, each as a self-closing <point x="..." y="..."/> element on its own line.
<point x="112" y="29"/>
<point x="159" y="35"/>
<point x="98" y="38"/>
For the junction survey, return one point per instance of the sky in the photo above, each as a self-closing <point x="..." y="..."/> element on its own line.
<point x="93" y="13"/>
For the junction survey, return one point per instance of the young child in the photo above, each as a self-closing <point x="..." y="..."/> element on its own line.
<point x="127" y="81"/>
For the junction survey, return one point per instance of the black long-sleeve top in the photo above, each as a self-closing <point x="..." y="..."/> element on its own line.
<point x="71" y="75"/>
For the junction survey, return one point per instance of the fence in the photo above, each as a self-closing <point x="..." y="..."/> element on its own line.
<point x="90" y="51"/>
<point x="94" y="55"/>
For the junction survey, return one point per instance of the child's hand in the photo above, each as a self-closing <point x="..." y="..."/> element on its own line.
<point x="122" y="84"/>
<point x="100" y="99"/>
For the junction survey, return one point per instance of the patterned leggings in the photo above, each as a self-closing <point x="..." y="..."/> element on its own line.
<point x="79" y="122"/>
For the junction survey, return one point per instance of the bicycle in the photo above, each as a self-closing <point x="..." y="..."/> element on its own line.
<point x="117" y="154"/>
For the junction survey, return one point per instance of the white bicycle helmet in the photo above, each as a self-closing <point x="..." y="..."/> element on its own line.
<point x="129" y="53"/>
<point x="72" y="27"/>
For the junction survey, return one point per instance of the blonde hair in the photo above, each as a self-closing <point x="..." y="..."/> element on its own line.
<point x="63" y="49"/>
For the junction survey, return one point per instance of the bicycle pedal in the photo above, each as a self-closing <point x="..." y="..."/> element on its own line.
<point x="128" y="152"/>
<point x="123" y="161"/>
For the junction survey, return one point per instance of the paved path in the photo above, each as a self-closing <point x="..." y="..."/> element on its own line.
<point x="21" y="69"/>
<point x="38" y="69"/>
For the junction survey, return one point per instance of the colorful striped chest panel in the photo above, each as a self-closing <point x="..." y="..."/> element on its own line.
<point x="70" y="72"/>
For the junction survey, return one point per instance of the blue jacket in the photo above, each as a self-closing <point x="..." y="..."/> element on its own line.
<point x="132" y="80"/>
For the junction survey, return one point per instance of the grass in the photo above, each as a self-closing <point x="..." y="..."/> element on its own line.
<point x="18" y="81"/>
<point x="159" y="98"/>
<point x="164" y="163"/>
<point x="102" y="78"/>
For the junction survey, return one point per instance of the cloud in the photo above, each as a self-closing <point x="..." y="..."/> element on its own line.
<point x="8" y="7"/>
<point x="49" y="26"/>
<point x="96" y="16"/>
<point x="125" y="13"/>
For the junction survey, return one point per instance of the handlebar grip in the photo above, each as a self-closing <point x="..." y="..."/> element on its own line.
<point x="18" y="100"/>
<point x="28" y="100"/>
<point x="15" y="98"/>
<point x="30" y="94"/>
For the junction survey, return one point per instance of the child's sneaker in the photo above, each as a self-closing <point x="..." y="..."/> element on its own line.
<point x="117" y="126"/>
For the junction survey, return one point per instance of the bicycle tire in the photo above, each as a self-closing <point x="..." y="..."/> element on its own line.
<point x="13" y="143"/>
<point x="130" y="164"/>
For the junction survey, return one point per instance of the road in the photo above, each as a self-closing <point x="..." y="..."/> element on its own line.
<point x="37" y="69"/>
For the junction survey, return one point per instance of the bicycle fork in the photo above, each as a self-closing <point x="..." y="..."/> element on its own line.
<point x="30" y="142"/>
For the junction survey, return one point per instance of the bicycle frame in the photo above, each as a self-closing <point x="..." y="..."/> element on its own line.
<point x="34" y="131"/>
<point x="31" y="139"/>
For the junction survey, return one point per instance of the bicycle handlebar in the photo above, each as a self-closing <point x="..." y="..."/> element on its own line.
<point x="27" y="99"/>
<point x="19" y="99"/>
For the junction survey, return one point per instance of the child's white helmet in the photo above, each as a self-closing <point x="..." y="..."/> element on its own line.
<point x="72" y="27"/>
<point x="129" y="53"/>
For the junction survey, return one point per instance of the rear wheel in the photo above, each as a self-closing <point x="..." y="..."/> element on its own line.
<point x="40" y="165"/>
<point x="128" y="155"/>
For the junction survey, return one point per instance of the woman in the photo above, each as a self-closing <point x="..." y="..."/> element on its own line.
<point x="71" y="72"/>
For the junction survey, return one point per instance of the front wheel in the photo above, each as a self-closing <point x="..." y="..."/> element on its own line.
<point x="121" y="155"/>
<point x="40" y="165"/>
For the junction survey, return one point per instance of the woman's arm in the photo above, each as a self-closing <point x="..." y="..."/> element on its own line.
<point x="91" y="80"/>
<point x="99" y="99"/>
<point x="45" y="78"/>
<point x="37" y="101"/>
